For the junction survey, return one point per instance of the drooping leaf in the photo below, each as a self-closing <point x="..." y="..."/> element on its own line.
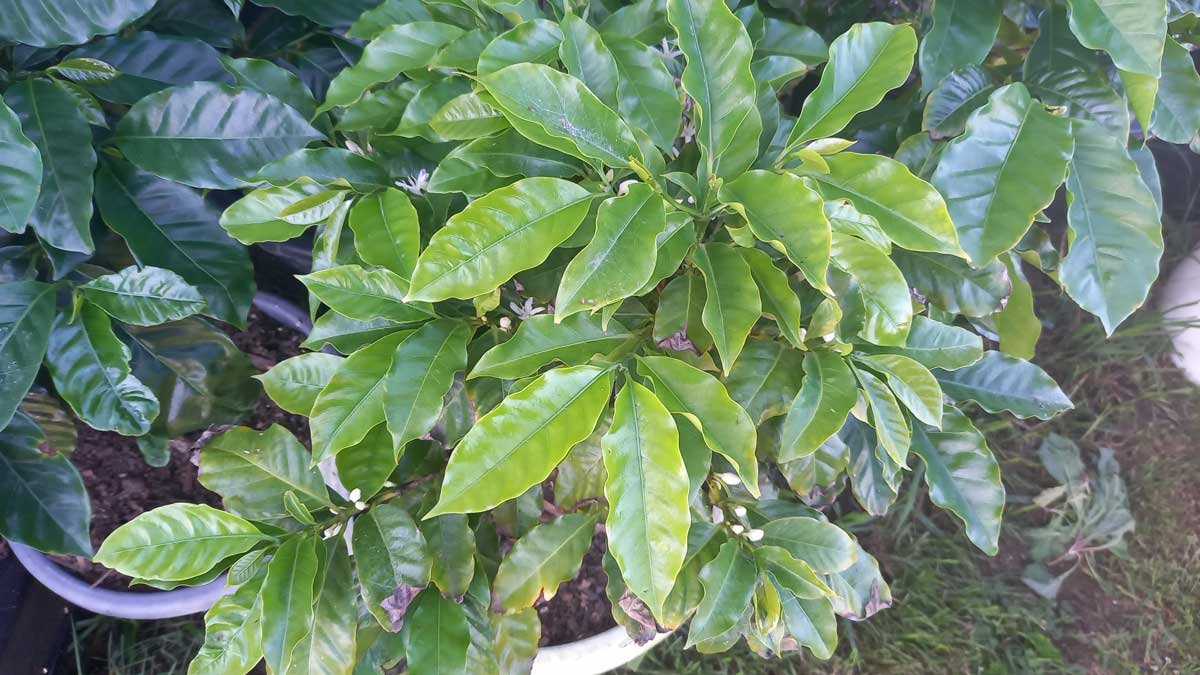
<point x="826" y="548"/>
<point x="1017" y="325"/>
<point x="860" y="591"/>
<point x="557" y="110"/>
<point x="255" y="217"/>
<point x="891" y="426"/>
<point x="1176" y="116"/>
<point x="1131" y="33"/>
<point x="21" y="172"/>
<point x="438" y="637"/>
<point x="811" y="623"/>
<point x="288" y="593"/>
<point x="999" y="382"/>
<point x="347" y="335"/>
<point x="647" y="493"/>
<point x="332" y="632"/>
<point x="294" y="383"/>
<point x="269" y="78"/>
<point x="733" y="305"/>
<point x="467" y="117"/>
<point x="144" y="297"/>
<point x="516" y="640"/>
<point x="865" y="63"/>
<point x="956" y="96"/>
<point x="423" y="369"/>
<point x="727" y="428"/>
<point x="45" y="23"/>
<point x="646" y="91"/>
<point x="679" y="312"/>
<point x="534" y="41"/>
<point x="827" y="394"/>
<point x="53" y="122"/>
<point x="729" y="581"/>
<point x="1003" y="171"/>
<point x="961" y="35"/>
<point x="784" y="212"/>
<point x="909" y="210"/>
<point x="43" y="502"/>
<point x="881" y="288"/>
<point x="90" y="369"/>
<point x="954" y="285"/>
<point x="539" y="341"/>
<point x="766" y="379"/>
<point x="507" y="231"/>
<point x="620" y="257"/>
<point x="171" y="226"/>
<point x="452" y="545"/>
<point x="549" y="555"/>
<point x="232" y="631"/>
<point x="210" y="135"/>
<point x="718" y="78"/>
<point x="518" y="443"/>
<point x="1115" y="234"/>
<point x="872" y="474"/>
<point x="963" y="476"/>
<point x="176" y="542"/>
<point x="26" y="312"/>
<point x="332" y="167"/>
<point x="251" y="470"/>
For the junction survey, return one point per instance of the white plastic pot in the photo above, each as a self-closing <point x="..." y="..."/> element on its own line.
<point x="1180" y="303"/>
<point x="591" y="656"/>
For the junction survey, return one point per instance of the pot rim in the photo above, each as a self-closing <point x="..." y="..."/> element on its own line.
<point x="592" y="655"/>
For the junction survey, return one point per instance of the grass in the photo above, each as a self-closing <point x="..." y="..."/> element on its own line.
<point x="120" y="647"/>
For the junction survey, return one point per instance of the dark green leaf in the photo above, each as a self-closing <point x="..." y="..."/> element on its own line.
<point x="144" y="297"/>
<point x="46" y="23"/>
<point x="26" y="312"/>
<point x="148" y="62"/>
<point x="733" y="305"/>
<point x="43" y="502"/>
<point x="729" y="582"/>
<point x="438" y="638"/>
<point x="953" y="285"/>
<point x="392" y="560"/>
<point x="287" y="600"/>
<point x="787" y="214"/>
<point x="20" y="172"/>
<point x="998" y="382"/>
<point x="961" y="35"/>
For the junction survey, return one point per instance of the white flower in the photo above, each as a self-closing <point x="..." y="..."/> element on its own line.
<point x="623" y="188"/>
<point x="688" y="133"/>
<point x="388" y="484"/>
<point x="740" y="511"/>
<point x="505" y="323"/>
<point x="737" y="529"/>
<point x="526" y="310"/>
<point x="718" y="516"/>
<point x="417" y="184"/>
<point x="361" y="506"/>
<point x="355" y="495"/>
<point x="754" y="535"/>
<point x="669" y="50"/>
<point x="729" y="478"/>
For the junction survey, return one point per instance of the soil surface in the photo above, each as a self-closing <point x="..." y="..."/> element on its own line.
<point x="580" y="609"/>
<point x="122" y="486"/>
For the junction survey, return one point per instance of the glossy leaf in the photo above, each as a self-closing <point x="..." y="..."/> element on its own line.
<point x="954" y="285"/>
<point x="827" y="394"/>
<point x="43" y="502"/>
<point x="620" y="257"/>
<point x="718" y="78"/>
<point x="1176" y="116"/>
<point x="729" y="581"/>
<point x="332" y="631"/>
<point x="549" y="555"/>
<point x="287" y="600"/>
<point x="779" y="299"/>
<point x="345" y="334"/>
<point x="891" y="426"/>
<point x="1017" y="325"/>
<point x="909" y="210"/>
<point x="353" y="401"/>
<point x="880" y="286"/>
<point x="368" y="464"/>
<point x="294" y="383"/>
<point x="1082" y="93"/>
<point x="333" y="167"/>
<point x="232" y="632"/>
<point x="1115" y="234"/>
<point x="392" y="561"/>
<point x="647" y="493"/>
<point x="912" y="383"/>
<point x="873" y="475"/>
<point x="148" y="62"/>
<point x="540" y="341"/>
<point x="269" y="78"/>
<point x="45" y="23"/>
<point x="423" y="368"/>
<point x="176" y="542"/>
<point x="1003" y="171"/>
<point x="588" y="58"/>
<point x="646" y="93"/>
<point x="784" y="212"/>
<point x="937" y="345"/>
<point x="733" y="305"/>
<point x="727" y="428"/>
<point x="507" y="231"/>
<point x="823" y="546"/>
<point x="251" y="470"/>
<point x="21" y="175"/>
<point x="766" y="379"/>
<point x="961" y="35"/>
<point x="210" y="135"/>
<point x="399" y="48"/>
<point x="1132" y="34"/>
<point x="26" y="312"/>
<point x="534" y="41"/>
<point x="956" y="96"/>
<point x="255" y="217"/>
<point x="998" y="382"/>
<point x="518" y="443"/>
<point x="963" y="477"/>
<point x="811" y="623"/>
<point x="144" y="297"/>
<point x="365" y="294"/>
<point x="438" y="637"/>
<point x="557" y="110"/>
<point x="679" y="312"/>
<point x="452" y="545"/>
<point x="865" y="63"/>
<point x="466" y="117"/>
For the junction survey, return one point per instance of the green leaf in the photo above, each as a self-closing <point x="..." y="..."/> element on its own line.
<point x="646" y="91"/>
<point x="865" y="63"/>
<point x="647" y="493"/>
<point x="827" y="394"/>
<point x="727" y="428"/>
<point x="718" y="78"/>
<point x="422" y="371"/>
<point x="1115" y="235"/>
<point x="733" y="305"/>
<point x="873" y="476"/>
<point x="320" y="12"/>
<point x="209" y="135"/>
<point x="826" y="548"/>
<point x="811" y="623"/>
<point x="891" y="426"/>
<point x="1017" y="326"/>
<point x="294" y="383"/>
<point x="42" y="497"/>
<point x="535" y="41"/>
<point x="962" y="35"/>
<point x="251" y="470"/>
<point x="21" y="173"/>
<point x="353" y="401"/>
<point x="365" y="294"/>
<point x="392" y="560"/>
<point x="368" y="464"/>
<point x="1003" y="171"/>
<point x="953" y="285"/>
<point x="784" y="212"/>
<point x="510" y="230"/>
<point x="144" y="297"/>
<point x="729" y="581"/>
<point x="860" y="591"/>
<point x="452" y="545"/>
<point x="539" y="341"/>
<point x="53" y="122"/>
<point x="176" y="542"/>
<point x="335" y="167"/>
<point x="1082" y="93"/>
<point x="557" y="110"/>
<point x="516" y="640"/>
<point x="255" y="217"/>
<point x="410" y="46"/>
<point x="518" y="443"/>
<point x="232" y="632"/>
<point x="1131" y="33"/>
<point x="90" y="369"/>
<point x="438" y="637"/>
<point x="963" y="477"/>
<point x="999" y="382"/>
<point x="549" y="555"/>
<point x="45" y="23"/>
<point x="287" y="596"/>
<point x="779" y="299"/>
<point x="912" y="383"/>
<point x="467" y="117"/>
<point x="148" y="62"/>
<point x="679" y="312"/>
<point x="952" y="101"/>
<point x="765" y="380"/>
<point x="332" y="631"/>
<point x="936" y="345"/>
<point x="1176" y="116"/>
<point x="909" y="210"/>
<point x="794" y="576"/>
<point x="620" y="257"/>
<point x="269" y="78"/>
<point x="587" y="57"/>
<point x="171" y="226"/>
<point x="581" y="475"/>
<point x="880" y="286"/>
<point x="26" y="312"/>
<point x="345" y="334"/>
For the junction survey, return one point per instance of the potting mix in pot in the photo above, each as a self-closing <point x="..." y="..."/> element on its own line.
<point x="621" y="312"/>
